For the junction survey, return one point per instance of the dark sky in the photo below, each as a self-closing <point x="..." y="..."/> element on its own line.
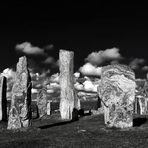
<point x="79" y="26"/>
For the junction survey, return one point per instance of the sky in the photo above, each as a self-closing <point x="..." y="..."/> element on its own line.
<point x="117" y="28"/>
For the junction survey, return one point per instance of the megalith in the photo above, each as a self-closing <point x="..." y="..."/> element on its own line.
<point x="3" y="99"/>
<point x="69" y="102"/>
<point x="117" y="92"/>
<point x="141" y="97"/>
<point x="20" y="110"/>
<point x="42" y="102"/>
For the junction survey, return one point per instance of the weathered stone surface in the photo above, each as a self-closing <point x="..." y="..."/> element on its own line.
<point x="42" y="102"/>
<point x="117" y="92"/>
<point x="141" y="97"/>
<point x="20" y="112"/>
<point x="69" y="102"/>
<point x="142" y="102"/>
<point x="3" y="100"/>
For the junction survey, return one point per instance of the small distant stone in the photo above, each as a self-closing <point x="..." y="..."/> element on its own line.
<point x="42" y="102"/>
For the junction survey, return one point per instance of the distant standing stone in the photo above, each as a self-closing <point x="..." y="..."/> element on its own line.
<point x="3" y="100"/>
<point x="20" y="112"/>
<point x="34" y="111"/>
<point x="49" y="107"/>
<point x="117" y="91"/>
<point x="42" y="102"/>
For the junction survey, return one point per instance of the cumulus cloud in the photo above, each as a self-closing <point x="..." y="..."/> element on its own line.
<point x="29" y="49"/>
<point x="145" y="68"/>
<point x="136" y="63"/>
<point x="49" y="60"/>
<point x="49" y="47"/>
<point x="89" y="69"/>
<point x="114" y="62"/>
<point x="39" y="59"/>
<point x="76" y="74"/>
<point x="97" y="58"/>
<point x="8" y="73"/>
<point x="55" y="64"/>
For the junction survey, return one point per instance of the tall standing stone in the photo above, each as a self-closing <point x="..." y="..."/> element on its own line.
<point x="3" y="100"/>
<point x="117" y="91"/>
<point x="20" y="110"/>
<point x="69" y="102"/>
<point x="42" y="102"/>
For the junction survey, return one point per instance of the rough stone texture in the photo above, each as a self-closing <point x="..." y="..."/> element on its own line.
<point x="3" y="100"/>
<point x="141" y="100"/>
<point x="117" y="92"/>
<point x="42" y="102"/>
<point x="69" y="102"/>
<point x="20" y="112"/>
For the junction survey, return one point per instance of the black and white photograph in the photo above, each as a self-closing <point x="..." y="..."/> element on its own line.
<point x="73" y="74"/>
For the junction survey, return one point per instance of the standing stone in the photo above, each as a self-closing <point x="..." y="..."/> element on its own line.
<point x="49" y="107"/>
<point x="141" y="97"/>
<point x="20" y="110"/>
<point x="142" y="104"/>
<point x="3" y="100"/>
<point x="34" y="111"/>
<point x="117" y="91"/>
<point x="146" y="88"/>
<point x="42" y="102"/>
<point x="136" y="105"/>
<point x="69" y="102"/>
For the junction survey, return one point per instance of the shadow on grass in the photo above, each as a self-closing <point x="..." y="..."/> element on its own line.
<point x="139" y="121"/>
<point x="55" y="124"/>
<point x="75" y="117"/>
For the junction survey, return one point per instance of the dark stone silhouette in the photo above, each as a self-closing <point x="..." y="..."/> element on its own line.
<point x="98" y="102"/>
<point x="75" y="115"/>
<point x="34" y="111"/>
<point x="81" y="112"/>
<point x="3" y="99"/>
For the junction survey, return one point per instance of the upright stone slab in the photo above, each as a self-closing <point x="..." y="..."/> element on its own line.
<point x="69" y="102"/>
<point x="3" y="100"/>
<point x="143" y="104"/>
<point x="34" y="111"/>
<point x="49" y="107"/>
<point x="117" y="91"/>
<point x="42" y="102"/>
<point x="141" y="97"/>
<point x="20" y="110"/>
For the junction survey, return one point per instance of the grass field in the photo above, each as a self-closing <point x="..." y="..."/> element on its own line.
<point x="88" y="131"/>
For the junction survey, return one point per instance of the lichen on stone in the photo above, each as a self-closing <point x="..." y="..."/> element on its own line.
<point x="117" y="91"/>
<point x="20" y="115"/>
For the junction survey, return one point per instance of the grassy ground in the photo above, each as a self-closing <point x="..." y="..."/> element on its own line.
<point x="87" y="132"/>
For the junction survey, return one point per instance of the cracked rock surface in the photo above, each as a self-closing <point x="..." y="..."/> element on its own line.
<point x="117" y="91"/>
<point x="20" y="114"/>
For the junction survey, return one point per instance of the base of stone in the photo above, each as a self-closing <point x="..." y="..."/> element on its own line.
<point x="120" y="125"/>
